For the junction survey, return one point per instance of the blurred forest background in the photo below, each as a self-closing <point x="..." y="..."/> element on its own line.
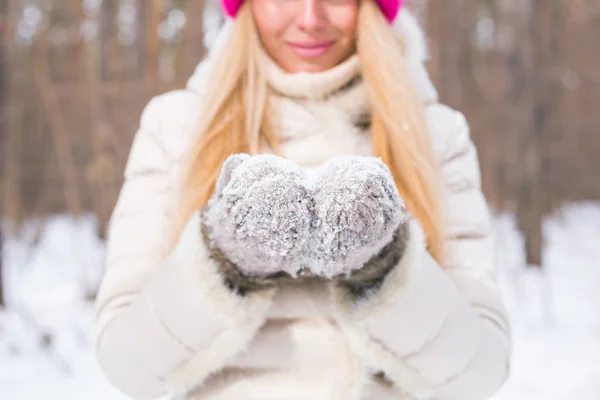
<point x="75" y="75"/>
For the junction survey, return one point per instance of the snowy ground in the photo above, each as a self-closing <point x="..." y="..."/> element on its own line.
<point x="45" y="334"/>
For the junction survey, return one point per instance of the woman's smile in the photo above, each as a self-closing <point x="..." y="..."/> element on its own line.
<point x="311" y="49"/>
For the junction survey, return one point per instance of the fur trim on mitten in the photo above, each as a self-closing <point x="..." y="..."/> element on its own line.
<point x="372" y="274"/>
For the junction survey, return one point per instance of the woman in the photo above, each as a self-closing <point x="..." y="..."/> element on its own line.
<point x="355" y="263"/>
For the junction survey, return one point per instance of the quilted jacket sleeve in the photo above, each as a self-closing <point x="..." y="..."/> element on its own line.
<point x="439" y="333"/>
<point x="165" y="320"/>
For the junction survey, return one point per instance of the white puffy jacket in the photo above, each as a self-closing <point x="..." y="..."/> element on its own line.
<point x="169" y="325"/>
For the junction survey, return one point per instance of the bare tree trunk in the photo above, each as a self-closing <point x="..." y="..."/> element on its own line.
<point x="108" y="9"/>
<point x="152" y="47"/>
<point x="4" y="85"/>
<point x="452" y="56"/>
<point x="100" y="171"/>
<point x="547" y="23"/>
<point x="529" y="205"/>
<point x="140" y="16"/>
<point x="2" y="300"/>
<point x="58" y="129"/>
<point x="12" y="115"/>
<point x="520" y="145"/>
<point x="192" y="49"/>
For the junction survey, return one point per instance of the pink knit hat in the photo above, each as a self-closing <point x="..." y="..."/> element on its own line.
<point x="389" y="8"/>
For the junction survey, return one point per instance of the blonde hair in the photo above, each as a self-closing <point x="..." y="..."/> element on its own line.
<point x="235" y="119"/>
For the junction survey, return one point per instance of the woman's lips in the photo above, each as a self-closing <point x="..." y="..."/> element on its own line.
<point x="311" y="50"/>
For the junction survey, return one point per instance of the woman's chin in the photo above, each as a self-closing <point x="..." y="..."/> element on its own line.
<point x="297" y="64"/>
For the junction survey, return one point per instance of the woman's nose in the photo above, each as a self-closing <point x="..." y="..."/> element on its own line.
<point x="312" y="15"/>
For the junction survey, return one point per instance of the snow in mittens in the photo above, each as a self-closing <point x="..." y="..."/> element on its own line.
<point x="269" y="215"/>
<point x="358" y="211"/>
<point x="261" y="217"/>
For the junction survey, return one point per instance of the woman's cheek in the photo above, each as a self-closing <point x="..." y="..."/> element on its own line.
<point x="270" y="17"/>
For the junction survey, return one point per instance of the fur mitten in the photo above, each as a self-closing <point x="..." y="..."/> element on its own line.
<point x="360" y="220"/>
<point x="271" y="221"/>
<point x="260" y="217"/>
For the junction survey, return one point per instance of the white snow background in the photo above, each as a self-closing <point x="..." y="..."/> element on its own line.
<point x="46" y="342"/>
